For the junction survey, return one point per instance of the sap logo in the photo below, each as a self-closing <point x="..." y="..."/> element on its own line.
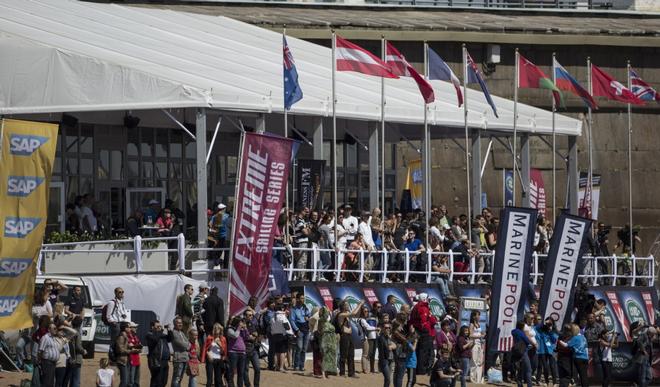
<point x="20" y="227"/>
<point x="14" y="267"/>
<point x="8" y="305"/>
<point x="22" y="185"/>
<point x="25" y="145"/>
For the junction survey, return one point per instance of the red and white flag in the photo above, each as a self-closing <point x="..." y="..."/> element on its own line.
<point x="400" y="66"/>
<point x="264" y="170"/>
<point x="351" y="57"/>
<point x="604" y="85"/>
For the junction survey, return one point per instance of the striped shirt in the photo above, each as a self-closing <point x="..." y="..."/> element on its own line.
<point x="49" y="348"/>
<point x="298" y="234"/>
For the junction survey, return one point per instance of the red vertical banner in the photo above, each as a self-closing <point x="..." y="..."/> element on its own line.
<point x="537" y="191"/>
<point x="650" y="310"/>
<point x="265" y="164"/>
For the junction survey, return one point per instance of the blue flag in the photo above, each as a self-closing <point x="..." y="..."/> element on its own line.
<point x="292" y="91"/>
<point x="438" y="69"/>
<point x="474" y="76"/>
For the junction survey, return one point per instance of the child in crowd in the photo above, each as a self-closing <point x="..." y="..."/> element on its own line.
<point x="105" y="377"/>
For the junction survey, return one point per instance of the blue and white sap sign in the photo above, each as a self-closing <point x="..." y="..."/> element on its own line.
<point x="9" y="304"/>
<point x="16" y="227"/>
<point x="14" y="267"/>
<point x="25" y="145"/>
<point x="22" y="185"/>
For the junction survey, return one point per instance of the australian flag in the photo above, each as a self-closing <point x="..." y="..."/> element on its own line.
<point x="292" y="91"/>
<point x="641" y="89"/>
<point x="474" y="76"/>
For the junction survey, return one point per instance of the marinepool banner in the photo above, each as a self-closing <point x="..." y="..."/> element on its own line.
<point x="265" y="164"/>
<point x="564" y="264"/>
<point x="27" y="151"/>
<point x="310" y="181"/>
<point x="510" y="274"/>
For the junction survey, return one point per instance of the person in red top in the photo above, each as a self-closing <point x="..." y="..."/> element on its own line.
<point x="193" y="354"/>
<point x="135" y="348"/>
<point x="165" y="222"/>
<point x="214" y="355"/>
<point x="424" y="323"/>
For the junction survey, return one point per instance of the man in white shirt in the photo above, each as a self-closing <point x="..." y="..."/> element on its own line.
<point x="116" y="312"/>
<point x="350" y="224"/>
<point x="88" y="221"/>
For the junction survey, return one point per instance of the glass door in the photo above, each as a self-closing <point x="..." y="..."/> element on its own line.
<point x="56" y="220"/>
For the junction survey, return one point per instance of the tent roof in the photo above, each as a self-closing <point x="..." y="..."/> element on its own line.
<point x="75" y="56"/>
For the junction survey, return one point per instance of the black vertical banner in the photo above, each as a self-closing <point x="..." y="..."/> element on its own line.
<point x="564" y="265"/>
<point x="310" y="183"/>
<point x="513" y="255"/>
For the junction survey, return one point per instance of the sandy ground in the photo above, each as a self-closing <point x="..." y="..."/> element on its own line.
<point x="268" y="378"/>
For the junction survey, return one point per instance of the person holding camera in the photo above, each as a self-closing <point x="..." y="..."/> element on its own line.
<point x="122" y="351"/>
<point x="642" y="350"/>
<point x="236" y="338"/>
<point x="116" y="313"/>
<point x="135" y="348"/>
<point x="546" y="338"/>
<point x="252" y="344"/>
<point x="159" y="354"/>
<point x="444" y="374"/>
<point x="607" y="341"/>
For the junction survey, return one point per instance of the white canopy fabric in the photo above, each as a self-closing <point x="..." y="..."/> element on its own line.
<point x="66" y="56"/>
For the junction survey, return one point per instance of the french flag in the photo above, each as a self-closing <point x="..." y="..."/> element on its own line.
<point x="351" y="57"/>
<point x="438" y="69"/>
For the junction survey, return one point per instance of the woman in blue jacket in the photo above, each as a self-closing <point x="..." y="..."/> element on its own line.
<point x="520" y="354"/>
<point x="546" y="337"/>
<point x="578" y="345"/>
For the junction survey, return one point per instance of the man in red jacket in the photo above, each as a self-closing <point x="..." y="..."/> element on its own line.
<point x="424" y="323"/>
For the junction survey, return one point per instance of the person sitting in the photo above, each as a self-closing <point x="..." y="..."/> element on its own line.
<point x="165" y="223"/>
<point x="134" y="222"/>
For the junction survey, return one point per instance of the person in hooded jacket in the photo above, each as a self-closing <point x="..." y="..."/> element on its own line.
<point x="424" y="323"/>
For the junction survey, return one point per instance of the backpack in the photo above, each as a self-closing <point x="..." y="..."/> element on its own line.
<point x="277" y="327"/>
<point x="104" y="312"/>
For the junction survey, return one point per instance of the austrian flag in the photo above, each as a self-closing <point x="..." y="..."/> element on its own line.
<point x="351" y="57"/>
<point x="400" y="66"/>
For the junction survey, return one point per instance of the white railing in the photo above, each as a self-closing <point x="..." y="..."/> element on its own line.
<point x="619" y="269"/>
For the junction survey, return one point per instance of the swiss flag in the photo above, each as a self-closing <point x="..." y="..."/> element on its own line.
<point x="402" y="68"/>
<point x="604" y="85"/>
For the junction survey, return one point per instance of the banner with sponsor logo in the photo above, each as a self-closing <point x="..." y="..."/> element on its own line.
<point x="563" y="266"/>
<point x="414" y="183"/>
<point x="537" y="190"/>
<point x="592" y="201"/>
<point x="513" y="257"/>
<point x="27" y="153"/>
<point x="264" y="170"/>
<point x="310" y="183"/>
<point x="507" y="187"/>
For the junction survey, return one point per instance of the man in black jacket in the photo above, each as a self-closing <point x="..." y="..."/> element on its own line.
<point x="214" y="310"/>
<point x="159" y="354"/>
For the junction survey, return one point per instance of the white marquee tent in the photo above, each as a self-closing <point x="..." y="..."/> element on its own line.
<point x="70" y="56"/>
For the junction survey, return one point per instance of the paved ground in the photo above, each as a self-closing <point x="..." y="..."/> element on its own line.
<point x="268" y="378"/>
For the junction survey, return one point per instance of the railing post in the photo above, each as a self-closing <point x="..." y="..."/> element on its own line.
<point x="361" y="266"/>
<point x="291" y="264"/>
<point x="472" y="269"/>
<point x="615" y="270"/>
<point x="407" y="266"/>
<point x="451" y="265"/>
<point x="385" y="258"/>
<point x="429" y="259"/>
<point x="315" y="257"/>
<point x="634" y="268"/>
<point x="340" y="261"/>
<point x="652" y="263"/>
<point x="40" y="261"/>
<point x="137" y="250"/>
<point x="595" y="281"/>
<point x="535" y="259"/>
<point x="181" y="251"/>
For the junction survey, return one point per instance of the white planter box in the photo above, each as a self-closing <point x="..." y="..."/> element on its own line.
<point x="96" y="259"/>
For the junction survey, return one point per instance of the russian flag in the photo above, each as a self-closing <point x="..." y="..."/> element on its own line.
<point x="566" y="82"/>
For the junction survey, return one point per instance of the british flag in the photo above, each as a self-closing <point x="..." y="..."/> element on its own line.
<point x="641" y="89"/>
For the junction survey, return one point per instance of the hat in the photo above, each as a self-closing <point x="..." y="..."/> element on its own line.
<point x="423" y="296"/>
<point x="153" y="202"/>
<point x="347" y="206"/>
<point x="446" y="226"/>
<point x="203" y="285"/>
<point x="132" y="325"/>
<point x="635" y="325"/>
<point x="221" y="206"/>
<point x="464" y="238"/>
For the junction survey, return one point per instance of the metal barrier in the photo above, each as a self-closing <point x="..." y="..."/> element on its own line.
<point x="306" y="264"/>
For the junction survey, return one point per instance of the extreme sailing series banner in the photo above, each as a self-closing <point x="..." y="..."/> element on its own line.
<point x="564" y="264"/>
<point x="513" y="256"/>
<point x="265" y="164"/>
<point x="27" y="151"/>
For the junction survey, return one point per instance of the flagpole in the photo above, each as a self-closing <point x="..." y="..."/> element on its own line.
<point x="334" y="135"/>
<point x="286" y="135"/>
<point x="589" y="139"/>
<point x="427" y="150"/>
<point x="516" y="83"/>
<point x="554" y="143"/>
<point x="630" y="200"/>
<point x="467" y="140"/>
<point x="383" y="50"/>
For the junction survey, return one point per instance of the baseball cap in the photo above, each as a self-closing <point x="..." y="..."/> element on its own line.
<point x="423" y="296"/>
<point x="153" y="201"/>
<point x="221" y="206"/>
<point x="132" y="325"/>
